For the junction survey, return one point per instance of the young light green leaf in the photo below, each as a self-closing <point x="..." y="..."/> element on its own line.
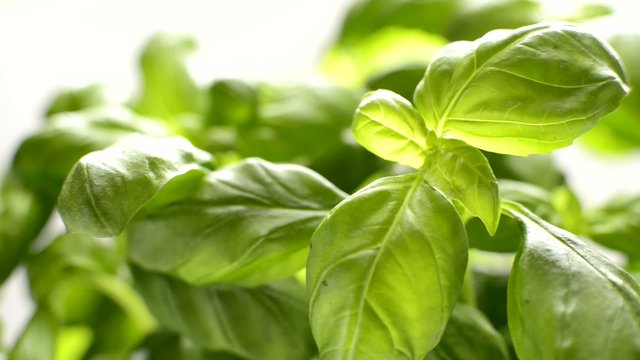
<point x="567" y="301"/>
<point x="250" y="223"/>
<point x="38" y="340"/>
<point x="386" y="124"/>
<point x="463" y="174"/>
<point x="385" y="271"/>
<point x="268" y="322"/>
<point x="530" y="90"/>
<point x="469" y="335"/>
<point x="107" y="188"/>
<point x="168" y="89"/>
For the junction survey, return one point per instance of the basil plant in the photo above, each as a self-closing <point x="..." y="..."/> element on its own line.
<point x="175" y="252"/>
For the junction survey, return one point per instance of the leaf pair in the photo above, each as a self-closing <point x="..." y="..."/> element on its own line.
<point x="525" y="91"/>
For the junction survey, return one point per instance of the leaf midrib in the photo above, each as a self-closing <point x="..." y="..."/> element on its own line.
<point x="372" y="268"/>
<point x="441" y="122"/>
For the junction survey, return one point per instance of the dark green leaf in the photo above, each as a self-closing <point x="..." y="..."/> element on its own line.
<point x="387" y="125"/>
<point x="530" y="90"/>
<point x="385" y="271"/>
<point x="567" y="300"/>
<point x="107" y="188"/>
<point x="469" y="335"/>
<point x="463" y="174"/>
<point x="250" y="223"/>
<point x="268" y="322"/>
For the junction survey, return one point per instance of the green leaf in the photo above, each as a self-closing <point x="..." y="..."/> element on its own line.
<point x="568" y="301"/>
<point x="469" y="335"/>
<point x="530" y="90"/>
<point x="168" y="89"/>
<point x="268" y="322"/>
<point x="232" y="102"/>
<point x="617" y="225"/>
<point x="297" y="123"/>
<point x="77" y="99"/>
<point x="351" y="64"/>
<point x="250" y="223"/>
<point x="368" y="16"/>
<point x="527" y="169"/>
<point x="45" y="158"/>
<point x="401" y="79"/>
<point x="38" y="340"/>
<point x="619" y="131"/>
<point x="23" y="214"/>
<point x="385" y="271"/>
<point x="387" y="125"/>
<point x="482" y="16"/>
<point x="506" y="239"/>
<point x="107" y="188"/>
<point x="463" y="174"/>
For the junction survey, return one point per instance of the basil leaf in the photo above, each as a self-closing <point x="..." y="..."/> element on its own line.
<point x="619" y="131"/>
<point x="232" y="102"/>
<point x="401" y="79"/>
<point x="297" y="123"/>
<point x="365" y="17"/>
<point x="168" y="89"/>
<point x="530" y="90"/>
<point x="23" y="214"/>
<point x="469" y="335"/>
<point x="75" y="277"/>
<point x="45" y="158"/>
<point x="107" y="188"/>
<point x="506" y="239"/>
<point x="250" y="223"/>
<point x="385" y="271"/>
<point x="268" y="322"/>
<point x="69" y="100"/>
<point x="617" y="225"/>
<point x="559" y="288"/>
<point x="351" y="64"/>
<point x="38" y="340"/>
<point x="463" y="174"/>
<point x="527" y="169"/>
<point x="387" y="125"/>
<point x="479" y="18"/>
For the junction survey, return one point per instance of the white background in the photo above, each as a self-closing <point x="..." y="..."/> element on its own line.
<point x="46" y="45"/>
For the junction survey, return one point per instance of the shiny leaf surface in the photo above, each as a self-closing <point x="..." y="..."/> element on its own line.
<point x="250" y="223"/>
<point x="530" y="90"/>
<point x="560" y="288"/>
<point x="105" y="189"/>
<point x="387" y="125"/>
<point x="385" y="271"/>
